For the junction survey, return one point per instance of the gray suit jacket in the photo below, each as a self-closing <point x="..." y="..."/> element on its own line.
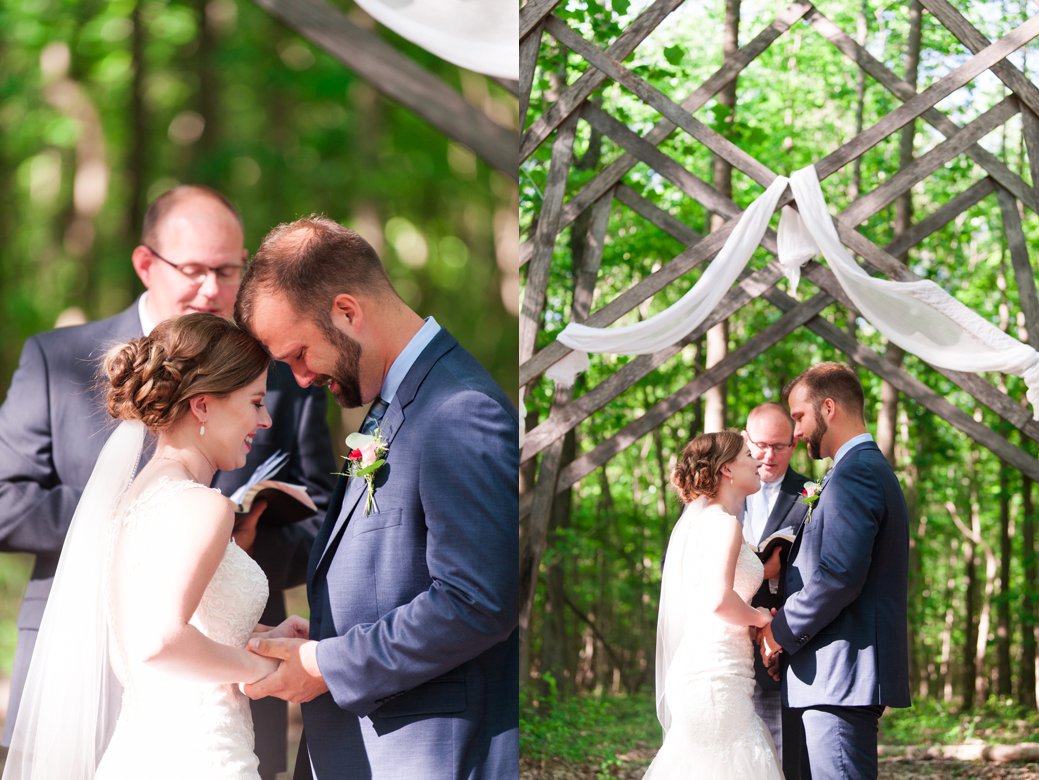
<point x="52" y="427"/>
<point x="415" y="605"/>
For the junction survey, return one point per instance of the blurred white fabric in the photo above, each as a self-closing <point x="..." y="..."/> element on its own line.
<point x="480" y="35"/>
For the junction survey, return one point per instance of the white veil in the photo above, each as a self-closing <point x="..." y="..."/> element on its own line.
<point x="71" y="700"/>
<point x="671" y="618"/>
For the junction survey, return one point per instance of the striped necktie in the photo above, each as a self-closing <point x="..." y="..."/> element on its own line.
<point x="374" y="416"/>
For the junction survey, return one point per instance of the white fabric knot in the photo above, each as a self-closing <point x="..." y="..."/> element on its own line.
<point x="795" y="246"/>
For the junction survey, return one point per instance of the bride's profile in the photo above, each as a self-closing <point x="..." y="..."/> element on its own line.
<point x="141" y="649"/>
<point x="704" y="671"/>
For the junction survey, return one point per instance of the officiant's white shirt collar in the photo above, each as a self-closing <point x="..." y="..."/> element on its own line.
<point x="855" y="441"/>
<point x="406" y="359"/>
<point x="147" y="323"/>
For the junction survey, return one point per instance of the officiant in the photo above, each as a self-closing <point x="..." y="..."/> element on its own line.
<point x="53" y="425"/>
<point x="776" y="507"/>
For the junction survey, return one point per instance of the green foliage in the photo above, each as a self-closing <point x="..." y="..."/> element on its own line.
<point x="585" y="732"/>
<point x="930" y="722"/>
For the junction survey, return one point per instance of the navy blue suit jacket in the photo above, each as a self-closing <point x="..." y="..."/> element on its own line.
<point x="52" y="427"/>
<point x="843" y="623"/>
<point x="415" y="605"/>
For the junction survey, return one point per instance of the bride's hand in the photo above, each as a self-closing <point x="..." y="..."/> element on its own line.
<point x="766" y="617"/>
<point x="259" y="667"/>
<point x="292" y="627"/>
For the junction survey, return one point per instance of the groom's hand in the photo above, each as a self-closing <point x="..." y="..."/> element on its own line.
<point x="298" y="678"/>
<point x="770" y="650"/>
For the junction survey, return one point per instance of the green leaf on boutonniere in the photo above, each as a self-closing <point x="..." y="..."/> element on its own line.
<point x="371" y="468"/>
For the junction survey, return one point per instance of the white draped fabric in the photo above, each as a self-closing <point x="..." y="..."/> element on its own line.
<point x="479" y="35"/>
<point x="920" y="317"/>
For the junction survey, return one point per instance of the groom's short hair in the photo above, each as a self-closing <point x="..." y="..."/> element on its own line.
<point x="310" y="262"/>
<point x="831" y="380"/>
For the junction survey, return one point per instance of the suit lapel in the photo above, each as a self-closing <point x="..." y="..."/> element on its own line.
<point x="390" y="426"/>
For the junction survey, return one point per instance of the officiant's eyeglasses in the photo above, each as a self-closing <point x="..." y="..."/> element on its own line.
<point x="776" y="448"/>
<point x="196" y="272"/>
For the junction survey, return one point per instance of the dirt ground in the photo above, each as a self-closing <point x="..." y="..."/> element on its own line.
<point x="632" y="766"/>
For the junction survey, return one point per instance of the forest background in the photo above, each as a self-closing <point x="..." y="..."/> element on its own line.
<point x="588" y="679"/>
<point x="105" y="105"/>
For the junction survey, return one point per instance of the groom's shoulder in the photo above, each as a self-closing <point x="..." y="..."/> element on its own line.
<point x="458" y="373"/>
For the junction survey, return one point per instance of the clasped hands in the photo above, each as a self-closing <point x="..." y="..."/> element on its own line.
<point x="767" y="644"/>
<point x="297" y="677"/>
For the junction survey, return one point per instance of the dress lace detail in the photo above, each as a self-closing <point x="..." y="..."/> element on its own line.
<point x="170" y="727"/>
<point x="714" y="731"/>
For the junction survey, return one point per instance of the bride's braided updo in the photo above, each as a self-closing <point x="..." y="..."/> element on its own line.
<point x="698" y="472"/>
<point x="153" y="378"/>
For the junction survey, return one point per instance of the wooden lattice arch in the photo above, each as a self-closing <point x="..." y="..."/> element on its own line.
<point x="557" y="125"/>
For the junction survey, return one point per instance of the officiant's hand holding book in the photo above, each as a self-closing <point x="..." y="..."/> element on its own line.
<point x="286" y="503"/>
<point x="783" y="539"/>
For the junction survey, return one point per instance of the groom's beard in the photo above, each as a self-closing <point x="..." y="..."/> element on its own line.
<point x="815" y="441"/>
<point x="346" y="374"/>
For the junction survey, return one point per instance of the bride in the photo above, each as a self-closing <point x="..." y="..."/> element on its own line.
<point x="140" y="652"/>
<point x="705" y="674"/>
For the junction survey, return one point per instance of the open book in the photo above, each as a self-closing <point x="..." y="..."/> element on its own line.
<point x="783" y="538"/>
<point x="286" y="503"/>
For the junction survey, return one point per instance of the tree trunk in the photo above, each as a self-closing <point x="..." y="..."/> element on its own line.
<point x="1029" y="599"/>
<point x="137" y="156"/>
<point x="715" y="399"/>
<point x="1003" y="684"/>
<point x="861" y="34"/>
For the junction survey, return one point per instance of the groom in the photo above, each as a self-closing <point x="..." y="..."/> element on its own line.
<point x="842" y="629"/>
<point x="411" y="666"/>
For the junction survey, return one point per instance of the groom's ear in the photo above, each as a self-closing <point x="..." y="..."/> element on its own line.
<point x="347" y="314"/>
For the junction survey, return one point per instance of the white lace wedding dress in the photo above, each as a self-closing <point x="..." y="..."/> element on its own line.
<point x="174" y="728"/>
<point x="705" y="673"/>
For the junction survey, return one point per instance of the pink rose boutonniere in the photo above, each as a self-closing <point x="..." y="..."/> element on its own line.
<point x="809" y="497"/>
<point x="364" y="460"/>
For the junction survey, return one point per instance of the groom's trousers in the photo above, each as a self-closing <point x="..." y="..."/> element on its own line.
<point x="840" y="743"/>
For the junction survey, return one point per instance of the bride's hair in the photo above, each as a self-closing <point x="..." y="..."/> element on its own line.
<point x="153" y="378"/>
<point x="698" y="472"/>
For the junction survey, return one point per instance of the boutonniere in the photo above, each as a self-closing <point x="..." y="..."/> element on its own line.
<point x="810" y="497"/>
<point x="364" y="460"/>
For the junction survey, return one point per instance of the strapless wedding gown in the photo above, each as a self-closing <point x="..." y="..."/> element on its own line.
<point x="711" y="728"/>
<point x="170" y="728"/>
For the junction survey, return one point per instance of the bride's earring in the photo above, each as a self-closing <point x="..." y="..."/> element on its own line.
<point x="202" y="430"/>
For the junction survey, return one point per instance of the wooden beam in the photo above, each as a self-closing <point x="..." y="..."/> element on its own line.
<point x="926" y="164"/>
<point x="729" y="70"/>
<point x="532" y="13"/>
<point x="528" y="63"/>
<point x="399" y="78"/>
<point x="1024" y="275"/>
<point x="922" y="101"/>
<point x="940" y="218"/>
<point x="653" y="97"/>
<point x="691" y="184"/>
<point x="535" y="531"/>
<point x="656" y="215"/>
<point x="576" y="94"/>
<point x="904" y="90"/>
<point x="545" y="239"/>
<point x="970" y="37"/>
